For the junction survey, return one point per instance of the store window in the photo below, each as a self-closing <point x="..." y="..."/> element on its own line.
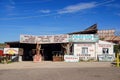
<point x="105" y="50"/>
<point x="84" y="50"/>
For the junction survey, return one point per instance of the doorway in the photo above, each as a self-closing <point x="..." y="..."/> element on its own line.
<point x="49" y="49"/>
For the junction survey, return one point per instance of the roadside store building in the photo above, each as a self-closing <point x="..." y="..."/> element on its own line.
<point x="84" y="44"/>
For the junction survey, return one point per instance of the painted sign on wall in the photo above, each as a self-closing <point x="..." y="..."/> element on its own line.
<point x="44" y="39"/>
<point x="11" y="51"/>
<point x="27" y="39"/>
<point x="52" y="39"/>
<point x="58" y="38"/>
<point x="61" y="38"/>
<point x="104" y="45"/>
<point x="84" y="49"/>
<point x="83" y="38"/>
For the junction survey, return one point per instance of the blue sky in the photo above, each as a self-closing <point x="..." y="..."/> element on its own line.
<point x="47" y="17"/>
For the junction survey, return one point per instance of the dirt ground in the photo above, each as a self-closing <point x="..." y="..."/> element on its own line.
<point x="59" y="71"/>
<point x="50" y="64"/>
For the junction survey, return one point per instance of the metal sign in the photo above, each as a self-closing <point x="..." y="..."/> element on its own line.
<point x="71" y="58"/>
<point x="11" y="50"/>
<point x="83" y="38"/>
<point x="106" y="57"/>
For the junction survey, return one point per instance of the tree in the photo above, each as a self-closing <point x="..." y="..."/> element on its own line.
<point x="2" y="45"/>
<point x="117" y="49"/>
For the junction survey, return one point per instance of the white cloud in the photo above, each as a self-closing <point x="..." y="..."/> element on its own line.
<point x="77" y="7"/>
<point x="82" y="6"/>
<point x="44" y="11"/>
<point x="68" y="9"/>
<point x="105" y="2"/>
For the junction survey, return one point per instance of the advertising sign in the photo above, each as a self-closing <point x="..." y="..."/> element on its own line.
<point x="71" y="58"/>
<point x="52" y="39"/>
<point x="58" y="38"/>
<point x="44" y="39"/>
<point x="61" y="38"/>
<point x="11" y="51"/>
<point x="83" y="38"/>
<point x="27" y="39"/>
<point x="106" y="57"/>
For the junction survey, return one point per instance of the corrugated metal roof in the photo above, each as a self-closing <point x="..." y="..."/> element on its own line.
<point x="112" y="38"/>
<point x="90" y="30"/>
